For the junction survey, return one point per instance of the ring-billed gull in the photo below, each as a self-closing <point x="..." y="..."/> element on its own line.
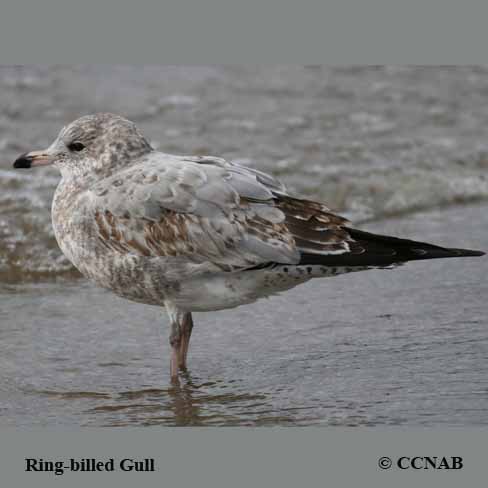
<point x="195" y="233"/>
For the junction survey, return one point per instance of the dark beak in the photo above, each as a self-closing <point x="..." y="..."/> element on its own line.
<point x="31" y="159"/>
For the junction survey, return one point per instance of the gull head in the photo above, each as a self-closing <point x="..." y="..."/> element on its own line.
<point x="91" y="146"/>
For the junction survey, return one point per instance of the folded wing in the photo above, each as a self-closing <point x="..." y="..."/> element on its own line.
<point x="208" y="210"/>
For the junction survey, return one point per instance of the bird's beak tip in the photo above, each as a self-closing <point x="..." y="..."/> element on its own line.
<point x="34" y="158"/>
<point x="23" y="161"/>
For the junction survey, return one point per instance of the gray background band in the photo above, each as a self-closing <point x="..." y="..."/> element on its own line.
<point x="249" y="457"/>
<point x="254" y="31"/>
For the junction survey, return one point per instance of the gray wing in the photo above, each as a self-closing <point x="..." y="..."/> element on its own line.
<point x="169" y="206"/>
<point x="207" y="210"/>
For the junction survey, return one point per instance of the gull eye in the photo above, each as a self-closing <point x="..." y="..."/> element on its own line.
<point x="76" y="146"/>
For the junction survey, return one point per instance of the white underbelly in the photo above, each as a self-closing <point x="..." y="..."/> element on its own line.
<point x="229" y="290"/>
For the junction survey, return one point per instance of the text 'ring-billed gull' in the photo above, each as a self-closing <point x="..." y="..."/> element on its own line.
<point x="195" y="233"/>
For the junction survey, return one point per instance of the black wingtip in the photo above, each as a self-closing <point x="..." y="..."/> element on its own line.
<point x="467" y="252"/>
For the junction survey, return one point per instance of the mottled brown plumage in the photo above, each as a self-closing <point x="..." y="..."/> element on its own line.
<point x="194" y="233"/>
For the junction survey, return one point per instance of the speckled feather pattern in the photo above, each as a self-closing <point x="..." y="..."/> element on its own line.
<point x="198" y="233"/>
<point x="195" y="233"/>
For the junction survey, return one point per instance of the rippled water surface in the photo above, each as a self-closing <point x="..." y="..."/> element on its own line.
<point x="406" y="347"/>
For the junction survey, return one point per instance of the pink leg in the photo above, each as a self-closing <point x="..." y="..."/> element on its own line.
<point x="175" y="342"/>
<point x="186" y="328"/>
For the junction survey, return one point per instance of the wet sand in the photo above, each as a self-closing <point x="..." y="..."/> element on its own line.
<point x="401" y="347"/>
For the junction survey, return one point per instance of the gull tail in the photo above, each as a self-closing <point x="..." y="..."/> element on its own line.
<point x="378" y="250"/>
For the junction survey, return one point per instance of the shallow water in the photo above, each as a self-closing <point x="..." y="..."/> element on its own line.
<point x="371" y="141"/>
<point x="401" y="347"/>
<point x="408" y="346"/>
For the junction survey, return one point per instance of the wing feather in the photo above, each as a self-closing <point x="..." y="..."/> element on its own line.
<point x="208" y="210"/>
<point x="167" y="206"/>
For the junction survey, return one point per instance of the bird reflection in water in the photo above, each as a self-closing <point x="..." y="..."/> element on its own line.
<point x="188" y="404"/>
